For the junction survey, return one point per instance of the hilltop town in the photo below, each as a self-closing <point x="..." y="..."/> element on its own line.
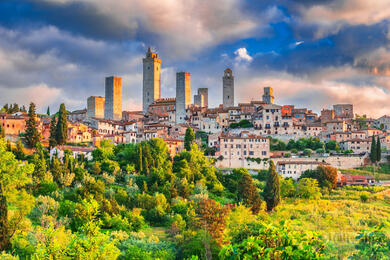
<point x="236" y="135"/>
<point x="182" y="180"/>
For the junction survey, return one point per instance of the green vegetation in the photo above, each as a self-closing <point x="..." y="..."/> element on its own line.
<point x="242" y="124"/>
<point x="2" y="131"/>
<point x="305" y="145"/>
<point x="61" y="126"/>
<point x="32" y="134"/>
<point x="373" y="151"/>
<point x="189" y="138"/>
<point x="271" y="192"/>
<point x="13" y="108"/>
<point x="133" y="201"/>
<point x="380" y="171"/>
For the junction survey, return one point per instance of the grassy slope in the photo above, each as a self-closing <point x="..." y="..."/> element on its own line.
<point x="337" y="217"/>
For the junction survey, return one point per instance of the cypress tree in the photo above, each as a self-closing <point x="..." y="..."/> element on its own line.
<point x="378" y="149"/>
<point x="189" y="138"/>
<point x="32" y="134"/>
<point x="18" y="152"/>
<point x="2" y="132"/>
<point x="53" y="129"/>
<point x="373" y="152"/>
<point x="139" y="156"/>
<point x="48" y="111"/>
<point x="248" y="194"/>
<point x="271" y="192"/>
<point x="40" y="165"/>
<point x="62" y="126"/>
<point x="4" y="231"/>
<point x="8" y="146"/>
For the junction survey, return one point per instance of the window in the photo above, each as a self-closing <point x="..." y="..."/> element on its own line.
<point x="251" y="153"/>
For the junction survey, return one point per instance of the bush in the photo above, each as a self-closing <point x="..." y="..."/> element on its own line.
<point x="307" y="188"/>
<point x="373" y="244"/>
<point x="46" y="188"/>
<point x="364" y="197"/>
<point x="141" y="249"/>
<point x="265" y="241"/>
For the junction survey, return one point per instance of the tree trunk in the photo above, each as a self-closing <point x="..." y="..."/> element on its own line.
<point x="4" y="232"/>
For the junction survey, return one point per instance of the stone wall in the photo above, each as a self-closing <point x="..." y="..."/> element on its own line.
<point x="339" y="162"/>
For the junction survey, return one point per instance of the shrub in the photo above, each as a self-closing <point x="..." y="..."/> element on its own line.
<point x="265" y="241"/>
<point x="46" y="188"/>
<point x="373" y="244"/>
<point x="307" y="188"/>
<point x="364" y="197"/>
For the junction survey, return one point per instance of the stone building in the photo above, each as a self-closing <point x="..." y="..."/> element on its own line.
<point x="294" y="169"/>
<point x="162" y="106"/>
<point x="357" y="145"/>
<point x="236" y="149"/>
<point x="95" y="106"/>
<point x="113" y="101"/>
<point x="199" y="100"/>
<point x="383" y="123"/>
<point x="151" y="79"/>
<point x="204" y="92"/>
<point x="268" y="96"/>
<point x="77" y="115"/>
<point x="183" y="95"/>
<point x="228" y="88"/>
<point x="13" y="124"/>
<point x="343" y="111"/>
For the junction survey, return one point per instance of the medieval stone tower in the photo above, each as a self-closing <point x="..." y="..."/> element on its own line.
<point x="268" y="96"/>
<point x="113" y="100"/>
<point x="183" y="95"/>
<point x="205" y="93"/>
<point x="228" y="88"/>
<point x="151" y="79"/>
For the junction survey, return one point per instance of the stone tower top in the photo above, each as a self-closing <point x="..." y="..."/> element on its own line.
<point x="228" y="73"/>
<point x="150" y="54"/>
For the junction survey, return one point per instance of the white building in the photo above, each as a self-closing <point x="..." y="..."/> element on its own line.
<point x="357" y="145"/>
<point x="294" y="169"/>
<point x="236" y="149"/>
<point x="383" y="123"/>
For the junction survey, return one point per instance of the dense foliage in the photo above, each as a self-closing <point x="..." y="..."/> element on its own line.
<point x="242" y="124"/>
<point x="133" y="201"/>
<point x="33" y="136"/>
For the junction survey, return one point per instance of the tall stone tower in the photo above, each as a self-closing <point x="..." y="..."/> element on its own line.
<point x="199" y="100"/>
<point x="228" y="88"/>
<point x="151" y="79"/>
<point x="205" y="93"/>
<point x="268" y="96"/>
<point x="183" y="95"/>
<point x="95" y="106"/>
<point x="113" y="101"/>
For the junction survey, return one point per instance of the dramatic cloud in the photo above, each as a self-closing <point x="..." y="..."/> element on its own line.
<point x="182" y="26"/>
<point x="74" y="67"/>
<point x="347" y="11"/>
<point x="313" y="53"/>
<point x="289" y="89"/>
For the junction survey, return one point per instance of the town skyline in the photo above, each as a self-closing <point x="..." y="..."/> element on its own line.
<point x="307" y="63"/>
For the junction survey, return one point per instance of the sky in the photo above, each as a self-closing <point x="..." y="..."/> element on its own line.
<point x="313" y="53"/>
